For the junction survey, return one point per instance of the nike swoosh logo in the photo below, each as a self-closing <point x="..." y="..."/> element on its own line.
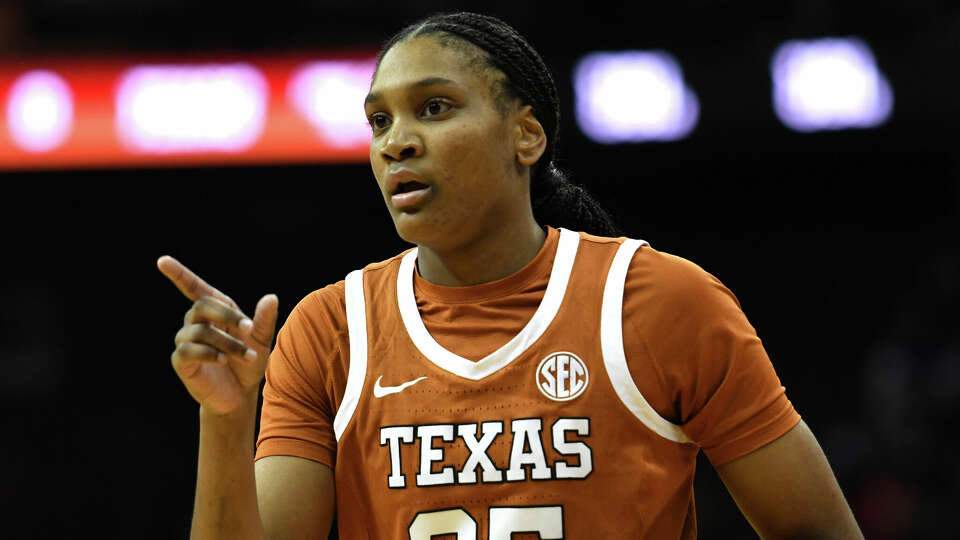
<point x="380" y="391"/>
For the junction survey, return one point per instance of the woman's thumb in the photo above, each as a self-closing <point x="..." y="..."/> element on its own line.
<point x="265" y="320"/>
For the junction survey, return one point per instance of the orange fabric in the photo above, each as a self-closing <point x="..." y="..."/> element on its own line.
<point x="667" y="300"/>
<point x="475" y="321"/>
<point x="690" y="351"/>
<point x="305" y="378"/>
<point x="697" y="359"/>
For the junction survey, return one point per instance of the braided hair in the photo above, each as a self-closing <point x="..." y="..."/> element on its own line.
<point x="556" y="200"/>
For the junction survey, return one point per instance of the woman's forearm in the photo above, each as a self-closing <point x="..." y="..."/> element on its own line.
<point x="226" y="498"/>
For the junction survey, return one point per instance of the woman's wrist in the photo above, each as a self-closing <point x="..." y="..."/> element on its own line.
<point x="242" y="417"/>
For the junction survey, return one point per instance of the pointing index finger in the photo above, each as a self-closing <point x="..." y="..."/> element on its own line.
<point x="190" y="284"/>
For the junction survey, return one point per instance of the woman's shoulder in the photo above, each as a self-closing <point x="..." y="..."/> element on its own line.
<point x="671" y="274"/>
<point x="321" y="309"/>
<point x="378" y="275"/>
<point x="673" y="287"/>
<point x="329" y="302"/>
<point x="657" y="277"/>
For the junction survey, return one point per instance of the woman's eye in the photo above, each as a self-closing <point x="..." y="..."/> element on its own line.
<point x="435" y="107"/>
<point x="378" y="121"/>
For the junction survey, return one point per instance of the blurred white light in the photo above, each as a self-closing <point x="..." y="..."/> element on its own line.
<point x="633" y="96"/>
<point x="191" y="108"/>
<point x="329" y="94"/>
<point x="39" y="111"/>
<point x="829" y="84"/>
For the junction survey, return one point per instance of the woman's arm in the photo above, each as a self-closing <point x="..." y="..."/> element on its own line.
<point x="221" y="356"/>
<point x="787" y="490"/>
<point x="296" y="497"/>
<point x="225" y="505"/>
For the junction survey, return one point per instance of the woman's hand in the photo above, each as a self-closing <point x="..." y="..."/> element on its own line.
<point x="221" y="354"/>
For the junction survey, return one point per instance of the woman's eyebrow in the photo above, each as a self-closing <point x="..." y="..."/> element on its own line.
<point x="429" y="81"/>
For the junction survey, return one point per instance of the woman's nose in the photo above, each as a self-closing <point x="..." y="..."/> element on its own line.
<point x="401" y="143"/>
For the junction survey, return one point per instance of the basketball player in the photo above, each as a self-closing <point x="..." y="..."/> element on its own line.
<point x="505" y="376"/>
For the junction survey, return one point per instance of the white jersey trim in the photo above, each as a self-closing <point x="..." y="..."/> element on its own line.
<point x="614" y="358"/>
<point x="357" y="330"/>
<point x="536" y="326"/>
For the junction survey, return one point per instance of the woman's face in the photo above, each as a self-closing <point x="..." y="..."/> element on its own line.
<point x="444" y="156"/>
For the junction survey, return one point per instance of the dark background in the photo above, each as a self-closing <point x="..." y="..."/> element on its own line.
<point x="842" y="247"/>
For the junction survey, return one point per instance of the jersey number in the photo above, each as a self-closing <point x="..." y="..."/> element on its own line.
<point x="503" y="521"/>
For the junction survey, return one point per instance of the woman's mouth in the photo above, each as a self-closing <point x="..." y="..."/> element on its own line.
<point x="409" y="194"/>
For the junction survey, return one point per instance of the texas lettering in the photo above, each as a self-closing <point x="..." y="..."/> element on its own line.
<point x="527" y="458"/>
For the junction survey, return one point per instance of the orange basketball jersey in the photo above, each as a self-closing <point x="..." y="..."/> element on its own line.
<point x="548" y="435"/>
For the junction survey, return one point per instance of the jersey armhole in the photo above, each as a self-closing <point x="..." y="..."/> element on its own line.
<point x="357" y="335"/>
<point x="614" y="357"/>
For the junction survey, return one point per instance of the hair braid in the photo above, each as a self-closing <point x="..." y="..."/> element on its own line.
<point x="555" y="200"/>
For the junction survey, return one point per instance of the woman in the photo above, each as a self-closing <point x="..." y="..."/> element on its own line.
<point x="502" y="377"/>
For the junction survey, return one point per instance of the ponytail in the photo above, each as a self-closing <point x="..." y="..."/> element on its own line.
<point x="560" y="203"/>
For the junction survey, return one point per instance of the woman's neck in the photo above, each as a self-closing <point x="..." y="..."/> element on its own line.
<point x="487" y="258"/>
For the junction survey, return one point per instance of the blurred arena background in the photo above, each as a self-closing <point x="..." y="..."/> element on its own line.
<point x="834" y="221"/>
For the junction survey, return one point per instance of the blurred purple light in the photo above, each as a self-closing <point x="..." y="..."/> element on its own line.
<point x="39" y="111"/>
<point x="829" y="84"/>
<point x="633" y="96"/>
<point x="191" y="108"/>
<point x="329" y="94"/>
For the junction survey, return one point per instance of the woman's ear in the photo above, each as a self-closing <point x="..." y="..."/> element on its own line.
<point x="530" y="141"/>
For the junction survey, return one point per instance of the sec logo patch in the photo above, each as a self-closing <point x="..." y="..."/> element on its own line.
<point x="562" y="376"/>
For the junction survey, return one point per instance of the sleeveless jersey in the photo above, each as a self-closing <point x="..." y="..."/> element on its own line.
<point x="549" y="432"/>
<point x="547" y="436"/>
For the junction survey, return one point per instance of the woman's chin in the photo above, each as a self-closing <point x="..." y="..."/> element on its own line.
<point x="412" y="227"/>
